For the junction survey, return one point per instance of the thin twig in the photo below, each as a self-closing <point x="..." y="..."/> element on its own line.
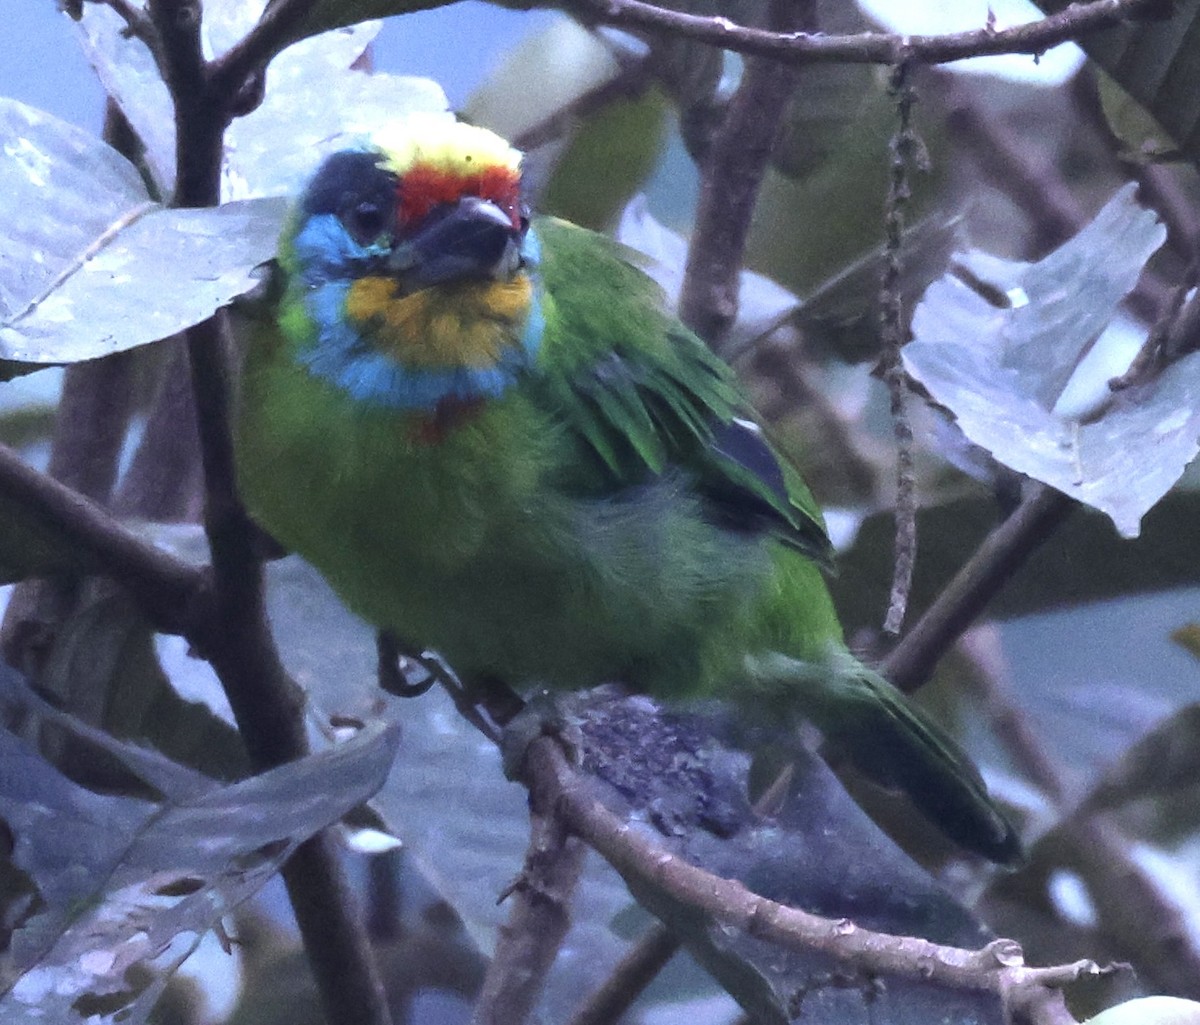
<point x="997" y="968"/>
<point x="629" y="978"/>
<point x="732" y="175"/>
<point x="1034" y="37"/>
<point x="904" y="149"/>
<point x="1000" y="555"/>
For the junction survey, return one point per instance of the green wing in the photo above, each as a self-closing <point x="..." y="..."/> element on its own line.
<point x="645" y="394"/>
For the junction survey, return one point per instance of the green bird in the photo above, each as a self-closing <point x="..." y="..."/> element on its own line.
<point x="495" y="441"/>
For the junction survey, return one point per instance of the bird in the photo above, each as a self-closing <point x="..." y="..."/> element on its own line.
<point x="495" y="440"/>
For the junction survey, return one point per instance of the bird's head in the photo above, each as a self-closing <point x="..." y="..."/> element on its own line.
<point x="411" y="257"/>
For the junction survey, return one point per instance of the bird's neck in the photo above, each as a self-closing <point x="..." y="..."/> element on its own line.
<point x="437" y="352"/>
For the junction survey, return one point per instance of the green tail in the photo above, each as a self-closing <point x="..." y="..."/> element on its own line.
<point x="894" y="744"/>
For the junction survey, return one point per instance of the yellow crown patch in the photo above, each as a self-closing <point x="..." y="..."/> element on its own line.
<point x="438" y="141"/>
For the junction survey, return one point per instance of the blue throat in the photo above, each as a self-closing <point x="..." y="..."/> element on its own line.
<point x="327" y="259"/>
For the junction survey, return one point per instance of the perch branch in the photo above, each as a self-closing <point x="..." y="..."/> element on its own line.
<point x="537" y="923"/>
<point x="1030" y="994"/>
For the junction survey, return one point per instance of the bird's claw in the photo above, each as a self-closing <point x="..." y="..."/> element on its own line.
<point x="542" y="716"/>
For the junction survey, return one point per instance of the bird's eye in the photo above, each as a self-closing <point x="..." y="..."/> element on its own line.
<point x="524" y="218"/>
<point x="365" y="222"/>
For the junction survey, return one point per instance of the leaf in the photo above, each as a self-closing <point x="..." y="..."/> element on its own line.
<point x="102" y="665"/>
<point x="83" y="247"/>
<point x="608" y="157"/>
<point x="83" y="186"/>
<point x="120" y="889"/>
<point x="540" y="76"/>
<point x="314" y="104"/>
<point x="998" y="344"/>
<point x="192" y="262"/>
<point x="1157" y="61"/>
<point x="130" y="76"/>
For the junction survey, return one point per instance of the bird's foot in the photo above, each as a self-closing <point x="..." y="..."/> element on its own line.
<point x="542" y="716"/>
<point x="404" y="671"/>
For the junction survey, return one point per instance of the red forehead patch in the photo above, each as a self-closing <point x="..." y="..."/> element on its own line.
<point x="424" y="187"/>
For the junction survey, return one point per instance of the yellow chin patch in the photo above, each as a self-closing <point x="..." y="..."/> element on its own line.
<point x="468" y="324"/>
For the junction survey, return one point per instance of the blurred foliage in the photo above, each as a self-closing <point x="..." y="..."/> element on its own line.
<point x="616" y="124"/>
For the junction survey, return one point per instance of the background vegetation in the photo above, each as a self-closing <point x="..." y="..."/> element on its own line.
<point x="181" y="726"/>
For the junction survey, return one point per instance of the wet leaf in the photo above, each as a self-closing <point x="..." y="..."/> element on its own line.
<point x="315" y="102"/>
<point x="998" y="344"/>
<point x="126" y="887"/>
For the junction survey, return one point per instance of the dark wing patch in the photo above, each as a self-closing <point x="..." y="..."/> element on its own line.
<point x="646" y="395"/>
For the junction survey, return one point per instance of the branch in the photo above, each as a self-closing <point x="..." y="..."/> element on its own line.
<point x="1029" y="993"/>
<point x="237" y="640"/>
<point x="249" y="57"/>
<point x="731" y="177"/>
<point x="1034" y="37"/>
<point x="1000" y="555"/>
<point x="629" y="979"/>
<point x="537" y="923"/>
<point x="166" y="587"/>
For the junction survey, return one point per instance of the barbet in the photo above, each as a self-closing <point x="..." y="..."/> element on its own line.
<point x="495" y="441"/>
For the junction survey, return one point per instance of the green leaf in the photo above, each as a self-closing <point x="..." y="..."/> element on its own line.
<point x="1157" y="61"/>
<point x="117" y="891"/>
<point x="607" y="159"/>
<point x="998" y="344"/>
